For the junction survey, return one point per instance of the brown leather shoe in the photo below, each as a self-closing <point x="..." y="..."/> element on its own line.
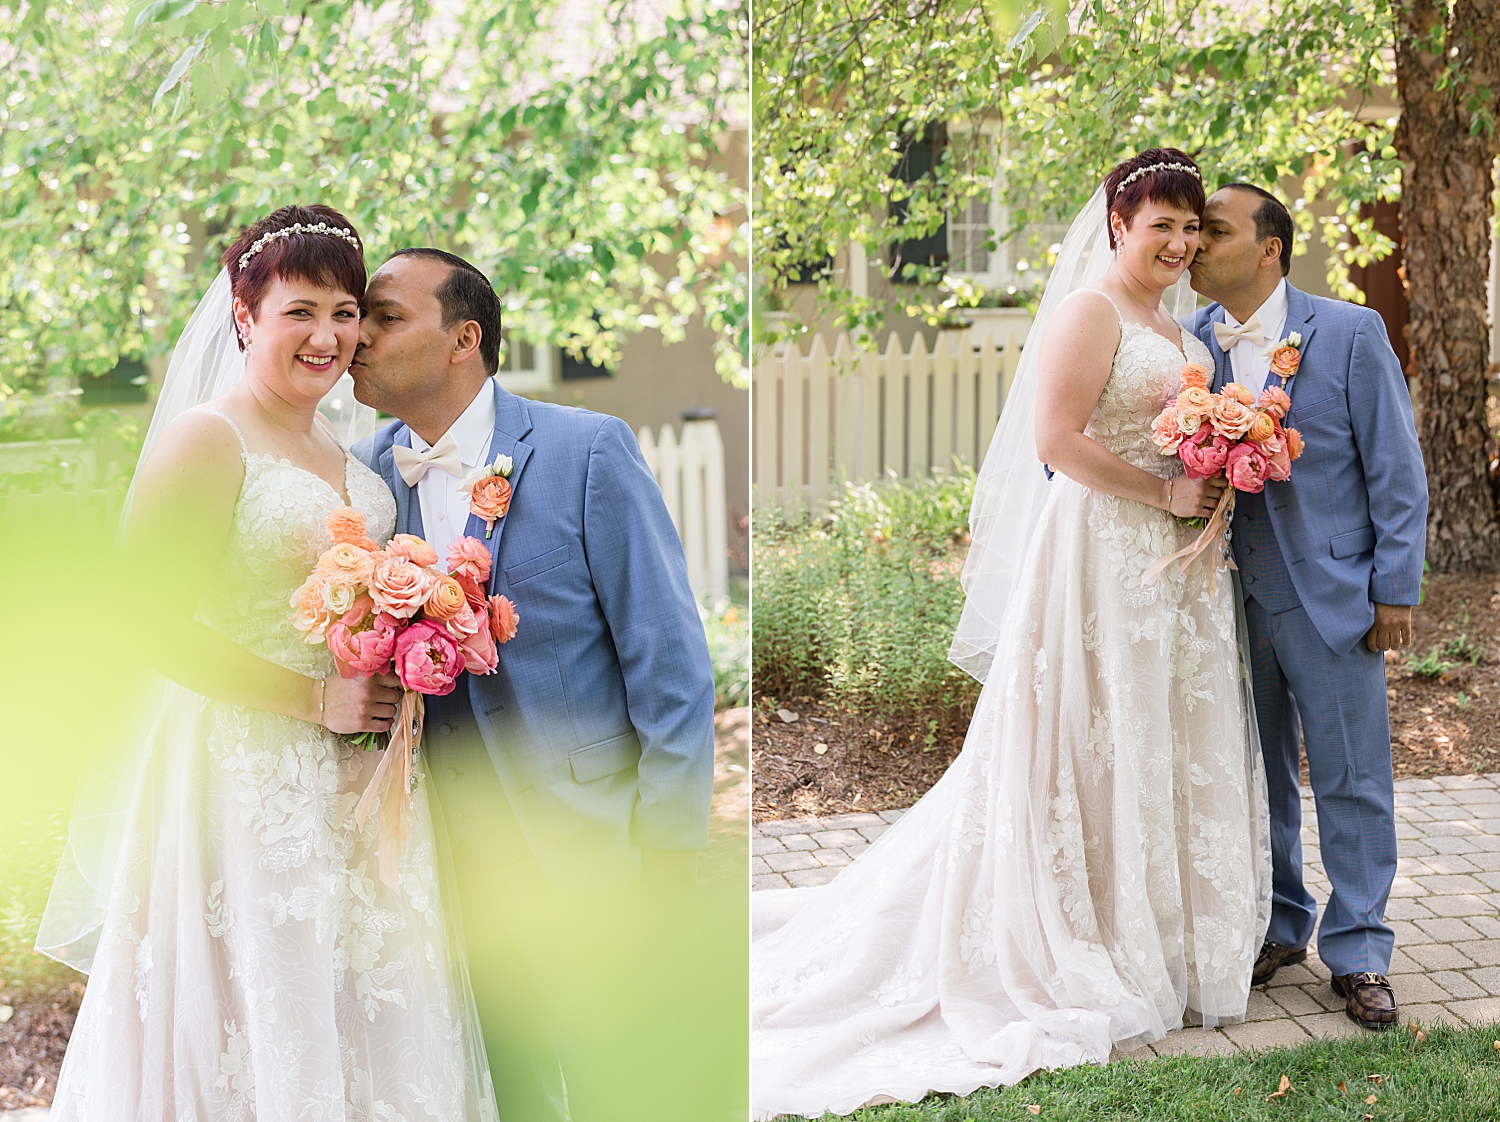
<point x="1369" y="998"/>
<point x="1272" y="957"/>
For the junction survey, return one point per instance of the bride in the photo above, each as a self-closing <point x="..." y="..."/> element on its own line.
<point x="246" y="960"/>
<point x="1093" y="870"/>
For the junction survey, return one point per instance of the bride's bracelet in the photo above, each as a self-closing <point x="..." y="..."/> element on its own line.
<point x="322" y="697"/>
<point x="1169" y="494"/>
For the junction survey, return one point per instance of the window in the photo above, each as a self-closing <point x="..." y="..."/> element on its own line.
<point x="524" y="369"/>
<point x="919" y="161"/>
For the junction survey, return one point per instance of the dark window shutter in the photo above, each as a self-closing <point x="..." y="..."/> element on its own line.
<point x="917" y="163"/>
<point x="124" y="385"/>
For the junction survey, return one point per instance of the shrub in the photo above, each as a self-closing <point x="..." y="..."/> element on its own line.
<point x="859" y="607"/>
<point x="727" y="627"/>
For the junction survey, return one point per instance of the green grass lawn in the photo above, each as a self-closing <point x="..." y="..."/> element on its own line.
<point x="1452" y="1074"/>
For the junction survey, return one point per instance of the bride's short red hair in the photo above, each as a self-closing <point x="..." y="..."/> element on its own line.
<point x="1172" y="186"/>
<point x="324" y="259"/>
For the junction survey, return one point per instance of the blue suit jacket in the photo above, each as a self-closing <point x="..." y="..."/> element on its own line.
<point x="599" y="719"/>
<point x="1352" y="520"/>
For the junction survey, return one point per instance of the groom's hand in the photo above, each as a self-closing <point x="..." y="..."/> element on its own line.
<point x="1392" y="629"/>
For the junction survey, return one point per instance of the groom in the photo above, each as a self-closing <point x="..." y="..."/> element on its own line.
<point x="1331" y="563"/>
<point x="584" y="764"/>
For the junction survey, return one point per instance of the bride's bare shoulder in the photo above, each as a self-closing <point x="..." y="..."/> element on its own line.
<point x="1086" y="318"/>
<point x="199" y="444"/>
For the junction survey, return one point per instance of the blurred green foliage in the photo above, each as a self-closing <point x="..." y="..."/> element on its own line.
<point x="575" y="161"/>
<point x="859" y="607"/>
<point x="727" y="626"/>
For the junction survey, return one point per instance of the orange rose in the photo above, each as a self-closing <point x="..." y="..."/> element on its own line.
<point x="490" y="498"/>
<point x="1231" y="418"/>
<point x="1195" y="399"/>
<point x="346" y="524"/>
<point x="1195" y="375"/>
<point x="346" y="564"/>
<point x="413" y="548"/>
<point x="1294" y="443"/>
<point x="1285" y="360"/>
<point x="1238" y="392"/>
<point x="1262" y="428"/>
<point x="446" y="600"/>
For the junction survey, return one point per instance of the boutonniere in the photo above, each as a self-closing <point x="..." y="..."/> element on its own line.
<point x="1286" y="356"/>
<point x="488" y="489"/>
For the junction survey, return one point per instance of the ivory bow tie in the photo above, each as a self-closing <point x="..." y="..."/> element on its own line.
<point x="1249" y="330"/>
<point x="413" y="464"/>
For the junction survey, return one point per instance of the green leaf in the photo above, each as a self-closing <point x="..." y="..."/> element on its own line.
<point x="179" y="68"/>
<point x="161" y="11"/>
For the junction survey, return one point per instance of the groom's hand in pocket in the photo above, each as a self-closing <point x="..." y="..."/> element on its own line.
<point x="361" y="704"/>
<point x="1392" y="629"/>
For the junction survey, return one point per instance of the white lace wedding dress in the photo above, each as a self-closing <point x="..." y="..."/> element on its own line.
<point x="252" y="965"/>
<point x="1093" y="867"/>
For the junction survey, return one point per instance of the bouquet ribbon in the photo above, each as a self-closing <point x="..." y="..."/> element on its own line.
<point x="1211" y="537"/>
<point x="391" y="784"/>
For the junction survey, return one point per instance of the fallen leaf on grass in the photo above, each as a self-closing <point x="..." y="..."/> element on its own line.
<point x="1374" y="1079"/>
<point x="820" y="749"/>
<point x="1033" y="1110"/>
<point x="1237" y="1090"/>
<point x="1371" y="1100"/>
<point x="1282" y="1090"/>
<point x="1342" y="1089"/>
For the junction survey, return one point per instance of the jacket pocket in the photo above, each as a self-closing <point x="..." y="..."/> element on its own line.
<point x="1355" y="541"/>
<point x="537" y="565"/>
<point x="595" y="761"/>
<point x="1300" y="412"/>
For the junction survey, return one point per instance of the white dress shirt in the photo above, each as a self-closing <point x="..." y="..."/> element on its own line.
<point x="445" y="509"/>
<point x="1248" y="360"/>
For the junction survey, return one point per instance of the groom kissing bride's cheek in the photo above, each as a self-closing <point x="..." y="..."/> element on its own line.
<point x="583" y="766"/>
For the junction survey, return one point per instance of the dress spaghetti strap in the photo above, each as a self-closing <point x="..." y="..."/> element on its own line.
<point x="243" y="450"/>
<point x="1118" y="314"/>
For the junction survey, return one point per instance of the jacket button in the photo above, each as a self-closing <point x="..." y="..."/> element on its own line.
<point x="445" y="729"/>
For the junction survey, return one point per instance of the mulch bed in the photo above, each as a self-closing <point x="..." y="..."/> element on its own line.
<point x="1449" y="725"/>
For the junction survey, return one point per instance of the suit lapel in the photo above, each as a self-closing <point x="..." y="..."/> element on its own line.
<point x="1299" y="317"/>
<point x="512" y="422"/>
<point x="1222" y="371"/>
<point x="408" y="507"/>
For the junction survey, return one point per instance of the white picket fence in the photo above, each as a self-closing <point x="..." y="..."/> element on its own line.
<point x="690" y="470"/>
<point x="861" y="415"/>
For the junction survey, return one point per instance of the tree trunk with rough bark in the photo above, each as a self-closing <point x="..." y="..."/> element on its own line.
<point x="1448" y="82"/>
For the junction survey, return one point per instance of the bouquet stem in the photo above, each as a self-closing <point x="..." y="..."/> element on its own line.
<point x="391" y="785"/>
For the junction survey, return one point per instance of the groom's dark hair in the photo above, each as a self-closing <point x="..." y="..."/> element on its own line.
<point x="466" y="295"/>
<point x="1272" y="220"/>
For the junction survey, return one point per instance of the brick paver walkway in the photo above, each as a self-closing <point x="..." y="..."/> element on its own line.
<point x="1444" y="907"/>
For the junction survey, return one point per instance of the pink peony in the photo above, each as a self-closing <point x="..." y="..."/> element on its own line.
<point x="363" y="645"/>
<point x="1275" y="401"/>
<point x="1204" y="459"/>
<point x="400" y="587"/>
<point x="471" y="558"/>
<point x="478" y="651"/>
<point x="1165" y="433"/>
<point x="413" y="548"/>
<point x="504" y="619"/>
<point x="427" y="659"/>
<point x="1246" y="468"/>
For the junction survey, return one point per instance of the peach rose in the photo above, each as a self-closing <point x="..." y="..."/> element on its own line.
<point x="1285" y="360"/>
<point x="346" y="524"/>
<point x="1165" y="433"/>
<point x="490" y="499"/>
<point x="1262" y="428"/>
<point x="504" y="619"/>
<point x="1274" y="400"/>
<point x="1238" y="393"/>
<point x="1195" y="376"/>
<point x="413" y="548"/>
<point x="464" y="622"/>
<point x="478" y="651"/>
<point x="346" y="564"/>
<point x="1196" y="399"/>
<point x="400" y="587"/>
<point x="1294" y="443"/>
<point x="471" y="557"/>
<point x="309" y="614"/>
<point x="445" y="600"/>
<point x="1231" y="418"/>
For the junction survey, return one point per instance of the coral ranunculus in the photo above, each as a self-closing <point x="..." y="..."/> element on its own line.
<point x="1285" y="360"/>
<point x="1231" y="418"/>
<point x="446" y="599"/>
<point x="473" y="593"/>
<point x="400" y="587"/>
<point x="1195" y="399"/>
<point x="1294" y="443"/>
<point x="1238" y="393"/>
<point x="1195" y="375"/>
<point x="427" y="659"/>
<point x="1274" y="400"/>
<point x="504" y="619"/>
<point x="1204" y="460"/>
<point x="490" y="498"/>
<point x="363" y="647"/>
<point x="1246" y="468"/>
<point x="413" y="548"/>
<point x="346" y="564"/>
<point x="347" y="525"/>
<point x="1165" y="433"/>
<point x="1262" y="428"/>
<point x="470" y="557"/>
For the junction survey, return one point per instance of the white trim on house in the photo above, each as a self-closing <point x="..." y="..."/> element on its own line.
<point x="527" y="369"/>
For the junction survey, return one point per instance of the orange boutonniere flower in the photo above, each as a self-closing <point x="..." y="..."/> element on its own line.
<point x="1286" y="356"/>
<point x="488" y="489"/>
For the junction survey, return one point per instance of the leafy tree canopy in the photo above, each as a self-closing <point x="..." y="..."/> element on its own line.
<point x="1278" y="89"/>
<point x="575" y="164"/>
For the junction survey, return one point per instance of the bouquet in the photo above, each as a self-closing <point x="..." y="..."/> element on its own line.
<point x="392" y="610"/>
<point x="1232" y="434"/>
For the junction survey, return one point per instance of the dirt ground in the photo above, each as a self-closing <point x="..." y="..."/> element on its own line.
<point x="34" y="1038"/>
<point x="1444" y="725"/>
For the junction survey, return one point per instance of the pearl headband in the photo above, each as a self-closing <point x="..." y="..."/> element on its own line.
<point x="287" y="231"/>
<point x="1138" y="172"/>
